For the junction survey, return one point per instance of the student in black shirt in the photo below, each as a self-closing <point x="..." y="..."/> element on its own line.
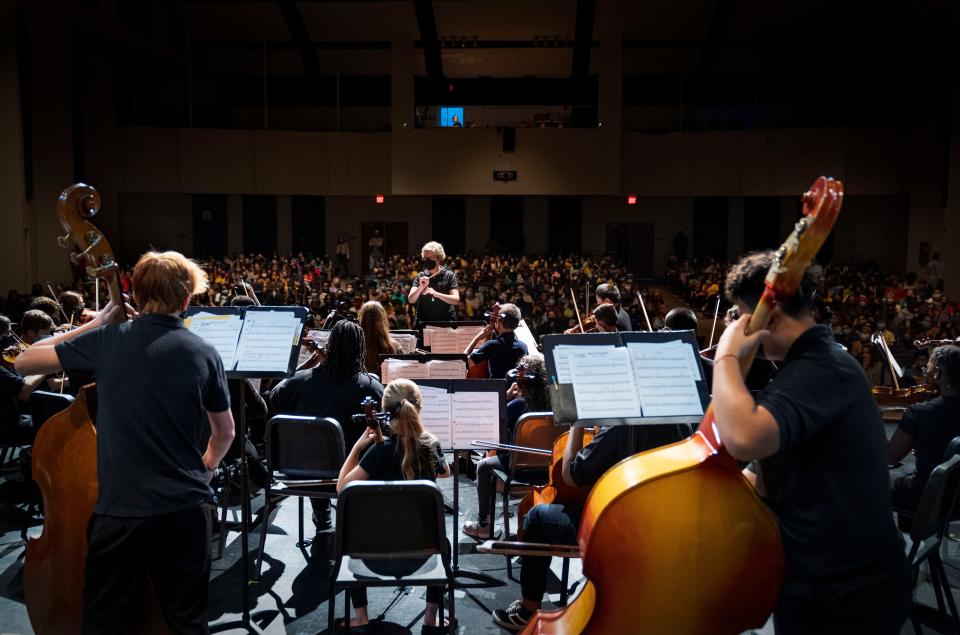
<point x="817" y="435"/>
<point x="927" y="427"/>
<point x="333" y="389"/>
<point x="557" y="524"/>
<point x="435" y="292"/>
<point x="157" y="385"/>
<point x="410" y="453"/>
<point x="501" y="350"/>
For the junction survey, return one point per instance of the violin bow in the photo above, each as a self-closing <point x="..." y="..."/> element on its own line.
<point x="59" y="306"/>
<point x="644" y="308"/>
<point x="713" y="329"/>
<point x="573" y="297"/>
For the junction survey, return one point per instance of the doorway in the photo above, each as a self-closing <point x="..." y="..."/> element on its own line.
<point x="390" y="239"/>
<point x="633" y="245"/>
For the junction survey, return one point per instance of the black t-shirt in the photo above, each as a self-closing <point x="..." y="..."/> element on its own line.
<point x="431" y="309"/>
<point x="623" y="320"/>
<point x="384" y="461"/>
<point x="156" y="381"/>
<point x="310" y="393"/>
<point x="11" y="384"/>
<point x="828" y="484"/>
<point x="612" y="444"/>
<point x="932" y="424"/>
<point x="501" y="354"/>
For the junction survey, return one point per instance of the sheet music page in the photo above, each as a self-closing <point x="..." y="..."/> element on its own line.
<point x="447" y="369"/>
<point x="476" y="417"/>
<point x="266" y="339"/>
<point x="524" y="335"/>
<point x="407" y="369"/>
<point x="405" y="342"/>
<point x="443" y="340"/>
<point x="435" y="414"/>
<point x="666" y="384"/>
<point x="561" y="360"/>
<point x="320" y="337"/>
<point x="464" y="335"/>
<point x="221" y="331"/>
<point x="603" y="383"/>
<point x="428" y="334"/>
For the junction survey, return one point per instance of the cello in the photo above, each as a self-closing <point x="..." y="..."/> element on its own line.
<point x="65" y="463"/>
<point x="661" y="515"/>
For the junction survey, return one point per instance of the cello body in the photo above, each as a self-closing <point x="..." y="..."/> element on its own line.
<point x="65" y="470"/>
<point x="672" y="523"/>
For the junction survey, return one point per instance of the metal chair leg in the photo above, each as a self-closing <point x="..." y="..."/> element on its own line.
<point x="506" y="509"/>
<point x="565" y="582"/>
<point x="300" y="515"/>
<point x="263" y="530"/>
<point x="346" y="610"/>
<point x="937" y="563"/>
<point x="331" y="601"/>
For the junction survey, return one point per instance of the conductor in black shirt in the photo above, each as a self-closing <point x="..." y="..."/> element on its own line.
<point x="157" y="384"/>
<point x="817" y="435"/>
<point x="332" y="389"/>
<point x="435" y="292"/>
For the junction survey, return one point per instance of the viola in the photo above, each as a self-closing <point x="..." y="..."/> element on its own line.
<point x="481" y="370"/>
<point x="65" y="464"/>
<point x="683" y="517"/>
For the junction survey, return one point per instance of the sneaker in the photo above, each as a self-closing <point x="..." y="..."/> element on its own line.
<point x="477" y="529"/>
<point x="513" y="618"/>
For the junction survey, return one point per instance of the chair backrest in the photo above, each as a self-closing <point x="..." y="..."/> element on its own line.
<point x="304" y="447"/>
<point x="952" y="448"/>
<point x="937" y="502"/>
<point x="390" y="520"/>
<point x="44" y="405"/>
<point x="534" y="430"/>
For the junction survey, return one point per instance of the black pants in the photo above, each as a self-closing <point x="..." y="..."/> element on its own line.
<point x="551" y="524"/>
<point x="398" y="568"/>
<point x="173" y="549"/>
<point x="878" y="608"/>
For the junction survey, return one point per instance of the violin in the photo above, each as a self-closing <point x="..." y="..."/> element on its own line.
<point x="585" y="325"/>
<point x="11" y="352"/>
<point x="895" y="395"/>
<point x="64" y="463"/>
<point x="318" y="353"/>
<point x="379" y="422"/>
<point x="657" y="515"/>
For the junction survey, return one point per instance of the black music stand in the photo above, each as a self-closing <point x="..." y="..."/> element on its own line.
<point x="291" y="365"/>
<point x="479" y="580"/>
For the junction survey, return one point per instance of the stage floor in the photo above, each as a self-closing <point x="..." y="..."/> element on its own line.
<point x="292" y="597"/>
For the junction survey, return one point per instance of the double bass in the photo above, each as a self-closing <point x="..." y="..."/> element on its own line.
<point x="65" y="463"/>
<point x="682" y="519"/>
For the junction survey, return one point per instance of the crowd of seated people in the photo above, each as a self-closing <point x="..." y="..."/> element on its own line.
<point x="857" y="301"/>
<point x="539" y="286"/>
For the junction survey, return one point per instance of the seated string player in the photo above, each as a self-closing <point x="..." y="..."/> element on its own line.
<point x="607" y="318"/>
<point x="409" y="453"/>
<point x="609" y="294"/>
<point x="502" y="350"/>
<point x="927" y="428"/>
<point x="557" y="523"/>
<point x="531" y="397"/>
<point x="35" y="325"/>
<point x="332" y="389"/>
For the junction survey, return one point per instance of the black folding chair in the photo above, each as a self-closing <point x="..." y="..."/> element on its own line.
<point x="929" y="526"/>
<point x="390" y="534"/>
<point x="304" y="457"/>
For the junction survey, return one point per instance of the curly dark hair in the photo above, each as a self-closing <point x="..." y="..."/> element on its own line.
<point x="745" y="282"/>
<point x="345" y="352"/>
<point x="536" y="394"/>
<point x="947" y="360"/>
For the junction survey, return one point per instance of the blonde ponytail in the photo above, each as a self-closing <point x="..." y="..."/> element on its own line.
<point x="402" y="398"/>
